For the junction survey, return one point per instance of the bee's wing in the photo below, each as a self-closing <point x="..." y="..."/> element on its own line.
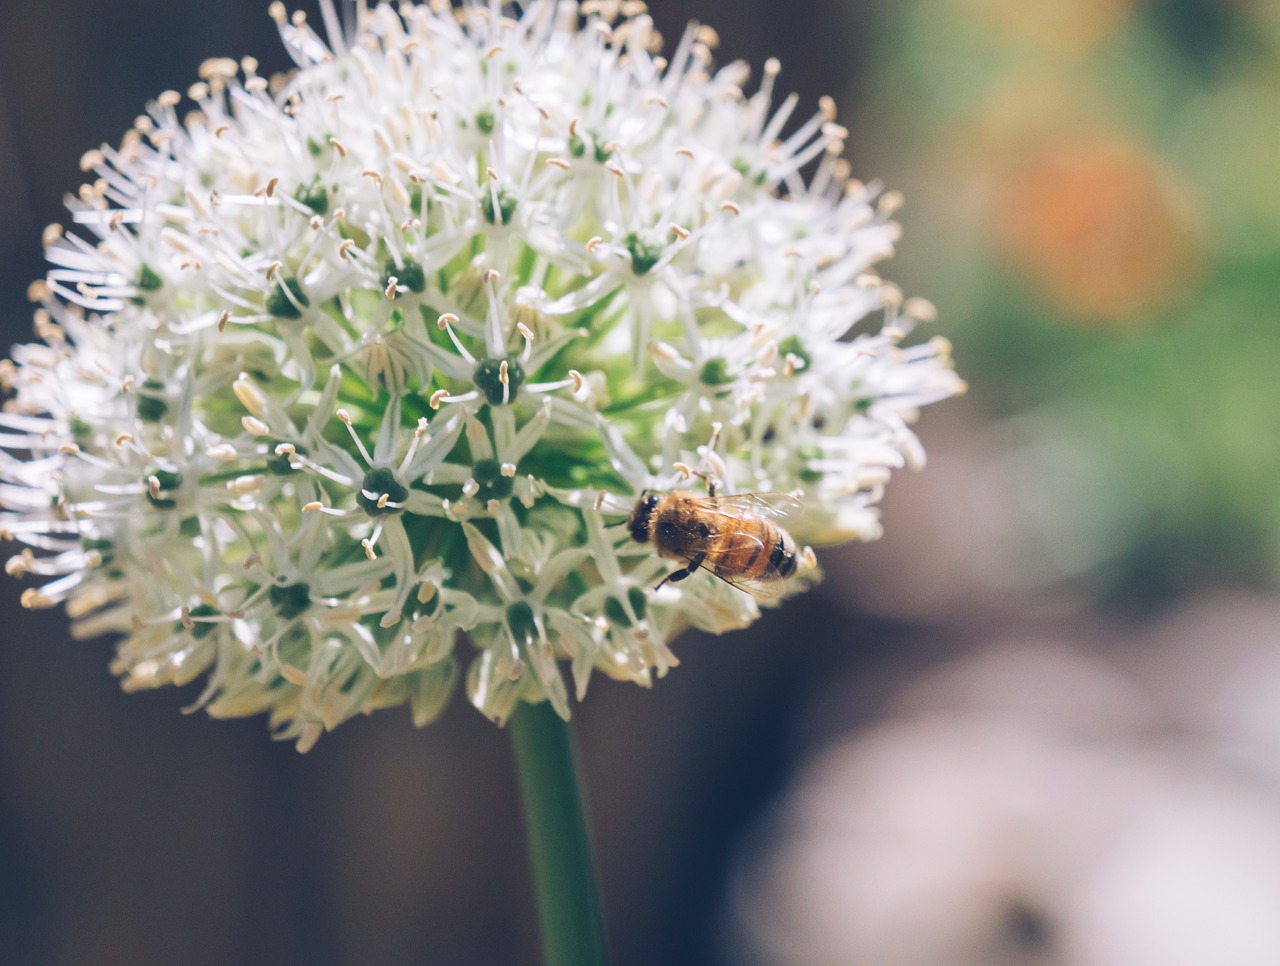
<point x="762" y="504"/>
<point x="721" y="550"/>
<point x="762" y="588"/>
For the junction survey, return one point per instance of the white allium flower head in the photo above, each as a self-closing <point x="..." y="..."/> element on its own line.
<point x="334" y="366"/>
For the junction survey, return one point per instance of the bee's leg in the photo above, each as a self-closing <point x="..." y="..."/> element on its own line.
<point x="711" y="482"/>
<point x="683" y="572"/>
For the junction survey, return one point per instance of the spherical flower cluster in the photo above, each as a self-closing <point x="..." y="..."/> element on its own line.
<point x="335" y="367"/>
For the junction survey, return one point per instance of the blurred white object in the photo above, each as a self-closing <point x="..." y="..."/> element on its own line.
<point x="1022" y="808"/>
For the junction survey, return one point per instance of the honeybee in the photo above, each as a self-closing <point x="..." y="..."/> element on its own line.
<point x="730" y="536"/>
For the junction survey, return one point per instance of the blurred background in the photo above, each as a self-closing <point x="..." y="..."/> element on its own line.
<point x="1038" y="723"/>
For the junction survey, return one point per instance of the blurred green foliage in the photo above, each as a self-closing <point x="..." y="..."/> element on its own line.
<point x="1095" y="207"/>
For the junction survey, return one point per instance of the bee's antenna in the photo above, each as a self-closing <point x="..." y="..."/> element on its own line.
<point x="601" y="497"/>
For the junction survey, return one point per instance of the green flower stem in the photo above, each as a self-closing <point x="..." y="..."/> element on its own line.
<point x="563" y="869"/>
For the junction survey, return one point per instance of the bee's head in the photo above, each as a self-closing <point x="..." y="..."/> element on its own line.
<point x="639" y="524"/>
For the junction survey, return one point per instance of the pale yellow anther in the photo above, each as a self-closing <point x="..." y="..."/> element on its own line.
<point x="447" y="319"/>
<point x="153" y="487"/>
<point x="684" y="153"/>
<point x="491" y="174"/>
<point x="273" y="269"/>
<point x="374" y="176"/>
<point x="244" y="485"/>
<point x="525" y="331"/>
<point x="312" y="507"/>
<point x="730" y="207"/>
<point x="503" y="373"/>
<point x="124" y="438"/>
<point x="594" y="242"/>
<point x="436" y="398"/>
<point x="345" y="246"/>
<point x="683" y="469"/>
<point x="251" y="398"/>
<point x="368" y="548"/>
<point x="223" y="317"/>
<point x="92" y="159"/>
<point x="678" y="231"/>
<point x="278" y="13"/>
<point x="664" y="351"/>
<point x="493" y="51"/>
<point x="889" y="202"/>
<point x="507" y="469"/>
<point x="809" y="557"/>
<point x="339" y="147"/>
<point x="345" y="416"/>
<point x="600" y="498"/>
<point x="578" y="381"/>
<point x="470" y="488"/>
<point x="69" y="449"/>
<point x="33" y="598"/>
<point x="224" y="452"/>
<point x="390" y="290"/>
<point x="255" y="426"/>
<point x="492" y="276"/>
<point x="614" y="169"/>
<point x="920" y="309"/>
<point x="169" y="99"/>
<point x="383" y="500"/>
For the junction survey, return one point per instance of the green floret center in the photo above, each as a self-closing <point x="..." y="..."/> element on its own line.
<point x="290" y="600"/>
<point x="169" y="482"/>
<point x="151" y="405"/>
<point x="488" y="379"/>
<point x="203" y="628"/>
<point x="715" y="372"/>
<point x="520" y="620"/>
<point x="792" y="345"/>
<point x="643" y="255"/>
<point x="378" y="481"/>
<point x="314" y="196"/>
<point x="506" y="206"/>
<point x="281" y="306"/>
<point x="493" y="485"/>
<point x="410" y="275"/>
<point x="147" y="279"/>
